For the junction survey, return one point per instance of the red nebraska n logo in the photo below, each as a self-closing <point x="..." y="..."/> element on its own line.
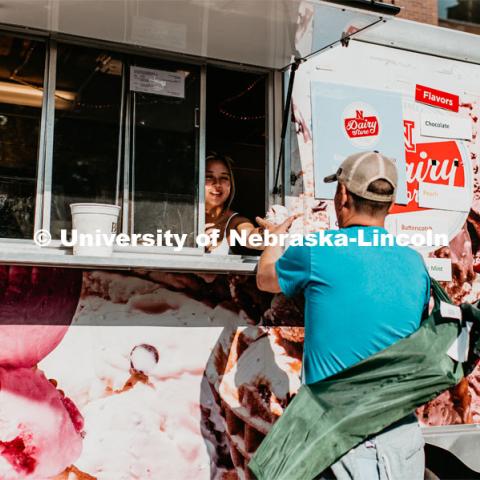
<point x="361" y="126"/>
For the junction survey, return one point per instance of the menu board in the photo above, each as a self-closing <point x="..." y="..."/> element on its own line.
<point x="439" y="178"/>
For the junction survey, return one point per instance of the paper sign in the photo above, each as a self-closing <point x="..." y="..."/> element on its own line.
<point x="158" y="82"/>
<point x="443" y="197"/>
<point x="436" y="98"/>
<point x="429" y="227"/>
<point x="447" y="310"/>
<point x="439" y="268"/>
<point x="442" y="126"/>
<point x="458" y="351"/>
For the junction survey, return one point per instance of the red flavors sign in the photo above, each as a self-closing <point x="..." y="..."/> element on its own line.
<point x="436" y="98"/>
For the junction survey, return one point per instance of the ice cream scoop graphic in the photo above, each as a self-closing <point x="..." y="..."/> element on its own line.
<point x="36" y="308"/>
<point x="40" y="428"/>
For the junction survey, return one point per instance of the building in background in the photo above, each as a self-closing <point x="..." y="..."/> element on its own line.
<point x="460" y="14"/>
<point x="425" y="11"/>
<point x="457" y="14"/>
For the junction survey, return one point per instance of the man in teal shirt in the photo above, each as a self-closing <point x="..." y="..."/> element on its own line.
<point x="358" y="300"/>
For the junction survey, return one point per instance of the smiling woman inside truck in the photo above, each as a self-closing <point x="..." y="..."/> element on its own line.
<point x="219" y="193"/>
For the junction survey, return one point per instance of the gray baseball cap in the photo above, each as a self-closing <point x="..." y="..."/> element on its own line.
<point x="359" y="170"/>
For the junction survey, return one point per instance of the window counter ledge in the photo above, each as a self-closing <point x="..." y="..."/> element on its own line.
<point x="22" y="254"/>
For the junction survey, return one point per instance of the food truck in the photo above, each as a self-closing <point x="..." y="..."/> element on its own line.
<point x="155" y="362"/>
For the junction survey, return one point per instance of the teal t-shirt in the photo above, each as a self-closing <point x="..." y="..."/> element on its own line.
<point x="358" y="299"/>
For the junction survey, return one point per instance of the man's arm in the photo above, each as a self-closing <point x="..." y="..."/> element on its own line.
<point x="267" y="279"/>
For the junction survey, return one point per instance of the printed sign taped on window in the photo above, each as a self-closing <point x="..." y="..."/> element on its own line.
<point x="157" y="82"/>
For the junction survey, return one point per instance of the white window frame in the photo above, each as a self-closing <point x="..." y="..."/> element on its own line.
<point x="24" y="251"/>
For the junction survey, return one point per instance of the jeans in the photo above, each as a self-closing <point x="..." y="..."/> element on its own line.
<point x="396" y="453"/>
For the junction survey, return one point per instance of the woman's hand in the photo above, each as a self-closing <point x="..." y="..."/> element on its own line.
<point x="209" y="228"/>
<point x="214" y="234"/>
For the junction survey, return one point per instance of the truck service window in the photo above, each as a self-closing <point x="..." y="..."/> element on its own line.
<point x="120" y="128"/>
<point x="165" y="101"/>
<point x="236" y="127"/>
<point x="22" y="64"/>
<point x="86" y="132"/>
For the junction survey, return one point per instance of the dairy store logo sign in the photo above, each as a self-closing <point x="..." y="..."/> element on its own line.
<point x="361" y="124"/>
<point x="347" y="119"/>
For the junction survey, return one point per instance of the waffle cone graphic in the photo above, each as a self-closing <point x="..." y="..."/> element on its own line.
<point x="255" y="382"/>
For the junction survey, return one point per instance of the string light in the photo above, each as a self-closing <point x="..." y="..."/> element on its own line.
<point x="223" y="111"/>
<point x="234" y="116"/>
<point x="95" y="106"/>
<point x="101" y="106"/>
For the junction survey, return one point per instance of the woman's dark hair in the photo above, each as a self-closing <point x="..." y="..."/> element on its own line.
<point x="228" y="162"/>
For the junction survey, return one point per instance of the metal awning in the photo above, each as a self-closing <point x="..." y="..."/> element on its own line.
<point x="266" y="33"/>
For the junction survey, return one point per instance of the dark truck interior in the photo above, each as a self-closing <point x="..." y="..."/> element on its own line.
<point x="236" y="127"/>
<point x="21" y="81"/>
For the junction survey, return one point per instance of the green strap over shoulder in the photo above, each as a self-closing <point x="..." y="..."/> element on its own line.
<point x="328" y="418"/>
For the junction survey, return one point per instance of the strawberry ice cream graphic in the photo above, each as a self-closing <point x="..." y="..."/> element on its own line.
<point x="36" y="308"/>
<point x="40" y="429"/>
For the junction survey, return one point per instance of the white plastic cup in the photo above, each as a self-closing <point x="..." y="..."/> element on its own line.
<point x="95" y="219"/>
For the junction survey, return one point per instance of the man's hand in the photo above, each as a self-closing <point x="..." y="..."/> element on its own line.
<point x="267" y="279"/>
<point x="277" y="229"/>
